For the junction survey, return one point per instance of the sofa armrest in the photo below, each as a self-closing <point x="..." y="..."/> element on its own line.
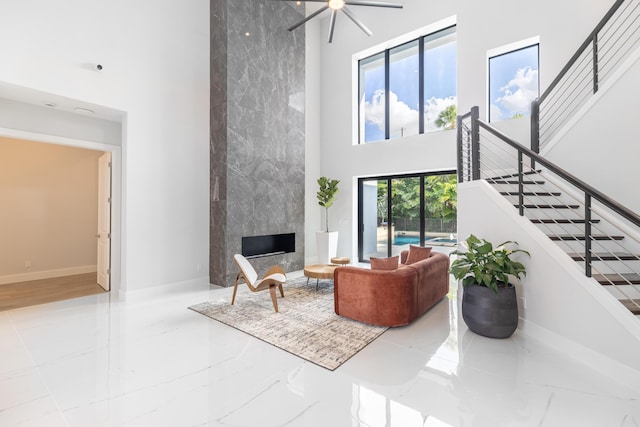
<point x="377" y="297"/>
<point x="433" y="280"/>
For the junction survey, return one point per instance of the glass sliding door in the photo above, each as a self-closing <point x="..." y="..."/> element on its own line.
<point x="441" y="208"/>
<point x="374" y="218"/>
<point x="397" y="211"/>
<point x="405" y="213"/>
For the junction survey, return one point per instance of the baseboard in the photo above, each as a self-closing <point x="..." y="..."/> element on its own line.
<point x="586" y="356"/>
<point x="47" y="274"/>
<point x="166" y="290"/>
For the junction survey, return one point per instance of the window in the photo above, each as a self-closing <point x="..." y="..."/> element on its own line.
<point x="397" y="211"/>
<point x="513" y="83"/>
<point x="409" y="89"/>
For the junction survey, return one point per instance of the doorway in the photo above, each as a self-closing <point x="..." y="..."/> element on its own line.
<point x="104" y="236"/>
<point x="397" y="211"/>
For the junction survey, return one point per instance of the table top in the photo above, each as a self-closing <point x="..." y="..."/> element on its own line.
<point x="320" y="271"/>
<point x="340" y="260"/>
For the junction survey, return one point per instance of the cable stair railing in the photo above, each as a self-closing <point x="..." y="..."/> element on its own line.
<point x="595" y="62"/>
<point x="591" y="228"/>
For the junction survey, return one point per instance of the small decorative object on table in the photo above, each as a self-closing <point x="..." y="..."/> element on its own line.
<point x="340" y="260"/>
<point x="489" y="302"/>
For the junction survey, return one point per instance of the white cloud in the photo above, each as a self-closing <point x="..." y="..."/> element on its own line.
<point x="402" y="116"/>
<point x="432" y="109"/>
<point x="520" y="91"/>
<point x="374" y="110"/>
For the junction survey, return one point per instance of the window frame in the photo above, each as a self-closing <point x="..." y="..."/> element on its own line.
<point x="447" y="31"/>
<point x="506" y="50"/>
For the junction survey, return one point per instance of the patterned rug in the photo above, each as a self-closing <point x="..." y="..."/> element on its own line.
<point x="306" y="325"/>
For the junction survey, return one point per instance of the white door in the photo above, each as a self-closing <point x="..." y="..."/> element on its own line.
<point x="104" y="221"/>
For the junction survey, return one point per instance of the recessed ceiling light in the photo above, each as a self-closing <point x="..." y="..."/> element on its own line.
<point x="83" y="110"/>
<point x="50" y="104"/>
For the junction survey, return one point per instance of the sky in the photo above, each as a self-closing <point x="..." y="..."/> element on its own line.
<point x="513" y="83"/>
<point x="440" y="91"/>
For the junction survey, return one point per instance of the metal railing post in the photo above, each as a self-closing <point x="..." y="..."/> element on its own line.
<point x="475" y="143"/>
<point x="520" y="185"/>
<point x="535" y="130"/>
<point x="595" y="62"/>
<point x="587" y="234"/>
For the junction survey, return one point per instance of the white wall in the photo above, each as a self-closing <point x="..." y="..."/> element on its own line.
<point x="156" y="70"/>
<point x="48" y="210"/>
<point x="481" y="26"/>
<point x="51" y="121"/>
<point x="564" y="308"/>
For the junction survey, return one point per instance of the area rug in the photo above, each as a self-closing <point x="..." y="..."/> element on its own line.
<point x="306" y="325"/>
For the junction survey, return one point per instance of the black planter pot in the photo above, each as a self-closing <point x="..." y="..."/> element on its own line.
<point x="489" y="314"/>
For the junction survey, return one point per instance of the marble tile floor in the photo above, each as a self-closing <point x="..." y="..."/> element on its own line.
<point x="96" y="361"/>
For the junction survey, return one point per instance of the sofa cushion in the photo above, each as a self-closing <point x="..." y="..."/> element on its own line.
<point x="384" y="263"/>
<point x="418" y="253"/>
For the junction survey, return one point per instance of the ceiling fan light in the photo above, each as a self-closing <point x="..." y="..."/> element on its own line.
<point x="336" y="4"/>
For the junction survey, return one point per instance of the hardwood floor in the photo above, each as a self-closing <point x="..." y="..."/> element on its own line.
<point x="25" y="294"/>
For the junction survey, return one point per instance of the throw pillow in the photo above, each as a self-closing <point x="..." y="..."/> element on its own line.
<point x="384" y="263"/>
<point x="418" y="253"/>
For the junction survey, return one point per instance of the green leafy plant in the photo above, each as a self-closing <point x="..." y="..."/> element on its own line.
<point x="483" y="265"/>
<point x="327" y="194"/>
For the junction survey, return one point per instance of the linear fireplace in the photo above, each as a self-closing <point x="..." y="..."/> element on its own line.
<point x="273" y="244"/>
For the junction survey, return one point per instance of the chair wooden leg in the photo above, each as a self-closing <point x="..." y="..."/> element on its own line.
<point x="235" y="289"/>
<point x="274" y="299"/>
<point x="281" y="290"/>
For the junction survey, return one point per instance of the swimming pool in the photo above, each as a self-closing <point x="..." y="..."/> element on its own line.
<point x="415" y="240"/>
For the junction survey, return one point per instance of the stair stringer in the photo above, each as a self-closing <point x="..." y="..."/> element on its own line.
<point x="570" y="311"/>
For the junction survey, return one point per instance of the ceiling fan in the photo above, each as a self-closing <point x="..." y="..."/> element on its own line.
<point x="342" y="5"/>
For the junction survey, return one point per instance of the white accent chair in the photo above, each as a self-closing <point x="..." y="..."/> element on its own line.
<point x="274" y="278"/>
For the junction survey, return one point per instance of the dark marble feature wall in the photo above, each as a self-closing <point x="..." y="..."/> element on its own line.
<point x="257" y="131"/>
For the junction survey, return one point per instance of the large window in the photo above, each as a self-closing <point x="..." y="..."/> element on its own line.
<point x="513" y="83"/>
<point x="409" y="89"/>
<point x="397" y="211"/>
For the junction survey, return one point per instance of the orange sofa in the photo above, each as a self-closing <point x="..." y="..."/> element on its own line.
<point x="391" y="297"/>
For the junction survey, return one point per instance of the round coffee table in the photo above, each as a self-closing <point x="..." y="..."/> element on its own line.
<point x="319" y="271"/>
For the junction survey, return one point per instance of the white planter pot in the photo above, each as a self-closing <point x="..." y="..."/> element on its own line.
<point x="327" y="244"/>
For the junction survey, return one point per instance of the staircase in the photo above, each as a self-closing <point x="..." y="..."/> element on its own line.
<point x="595" y="231"/>
<point x="614" y="257"/>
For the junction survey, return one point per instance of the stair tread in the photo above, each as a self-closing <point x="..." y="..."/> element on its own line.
<point x="562" y="221"/>
<point x="618" y="278"/>
<point x="565" y="237"/>
<point x="527" y="206"/>
<point x="615" y="256"/>
<point x="504" y="181"/>
<point x="530" y="193"/>
<point x="631" y="305"/>
<point x="513" y="175"/>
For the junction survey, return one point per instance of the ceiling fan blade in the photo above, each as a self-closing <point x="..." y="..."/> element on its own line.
<point x="356" y="21"/>
<point x="313" y="15"/>
<point x="373" y="3"/>
<point x="332" y="24"/>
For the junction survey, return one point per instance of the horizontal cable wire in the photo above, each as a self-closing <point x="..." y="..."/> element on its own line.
<point x="616" y="40"/>
<point x="497" y="160"/>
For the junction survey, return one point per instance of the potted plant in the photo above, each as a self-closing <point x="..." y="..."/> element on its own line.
<point x="327" y="241"/>
<point x="489" y="302"/>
